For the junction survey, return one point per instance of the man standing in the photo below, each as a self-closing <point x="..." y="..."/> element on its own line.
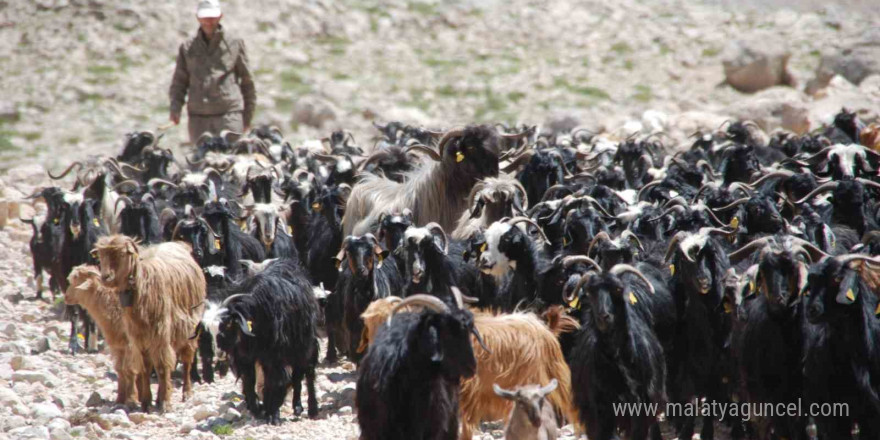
<point x="213" y="68"/>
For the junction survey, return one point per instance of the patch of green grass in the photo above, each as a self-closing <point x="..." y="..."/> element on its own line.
<point x="446" y="90"/>
<point x="338" y="45"/>
<point x="418" y="100"/>
<point x="515" y="96"/>
<point x="6" y="140"/>
<point x="643" y="93"/>
<point x="438" y="62"/>
<point x="284" y="104"/>
<point x="264" y="26"/>
<point x="75" y="433"/>
<point x="816" y="53"/>
<point x="222" y="430"/>
<point x="621" y="47"/>
<point x="292" y="81"/>
<point x="665" y="50"/>
<point x="585" y="62"/>
<point x="628" y="64"/>
<point x="101" y="69"/>
<point x="340" y="76"/>
<point x="711" y="52"/>
<point x="493" y="103"/>
<point x="73" y="140"/>
<point x="423" y="8"/>
<point x="589" y="91"/>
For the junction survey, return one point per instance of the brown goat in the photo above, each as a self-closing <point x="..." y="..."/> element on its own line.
<point x="162" y="289"/>
<point x="524" y="351"/>
<point x="85" y="289"/>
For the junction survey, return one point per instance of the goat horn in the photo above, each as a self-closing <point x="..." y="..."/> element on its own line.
<point x="740" y="186"/>
<point x="868" y="182"/>
<point x="646" y="187"/>
<point x="848" y="258"/>
<point x="193" y="163"/>
<point x="749" y="249"/>
<point x="552" y="190"/>
<point x="577" y="288"/>
<point x="77" y="164"/>
<point x="424" y="149"/>
<point x="735" y="203"/>
<point x="518" y="160"/>
<point x="230" y="298"/>
<point x="574" y="259"/>
<point x="825" y="187"/>
<point x="125" y="199"/>
<point x="516" y="220"/>
<point x="420" y="299"/>
<point x="706" y="166"/>
<point x="778" y="173"/>
<point x="618" y="269"/>
<point x="324" y="157"/>
<point x="673" y="243"/>
<point x="126" y="182"/>
<point x="629" y="235"/>
<point x="600" y="237"/>
<point x="156" y="180"/>
<point x="451" y="134"/>
<point x="676" y="208"/>
<point x="435" y="227"/>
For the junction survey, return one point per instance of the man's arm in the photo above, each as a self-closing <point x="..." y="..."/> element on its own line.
<point x="179" y="84"/>
<point x="248" y="91"/>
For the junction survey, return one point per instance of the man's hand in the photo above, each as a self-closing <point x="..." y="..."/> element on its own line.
<point x="175" y="118"/>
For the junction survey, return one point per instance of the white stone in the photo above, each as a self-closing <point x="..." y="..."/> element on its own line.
<point x="231" y="415"/>
<point x="203" y="412"/>
<point x="30" y="432"/>
<point x="58" y="423"/>
<point x="44" y="412"/>
<point x="14" y="347"/>
<point x="47" y="379"/>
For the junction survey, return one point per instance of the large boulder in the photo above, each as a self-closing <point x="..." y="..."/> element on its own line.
<point x="756" y="64"/>
<point x="778" y="107"/>
<point x="855" y="60"/>
<point x="314" y="111"/>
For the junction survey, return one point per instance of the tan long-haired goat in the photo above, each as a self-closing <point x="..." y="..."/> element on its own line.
<point x="161" y="290"/>
<point x="85" y="289"/>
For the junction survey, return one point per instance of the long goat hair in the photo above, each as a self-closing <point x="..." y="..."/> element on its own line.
<point x="167" y="289"/>
<point x="435" y="192"/>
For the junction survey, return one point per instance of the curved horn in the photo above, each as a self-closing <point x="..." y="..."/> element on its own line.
<point x="126" y="182"/>
<point x="778" y="173"/>
<point x="703" y="188"/>
<point x="630" y="235"/>
<point x="748" y="249"/>
<point x="619" y="269"/>
<point x="848" y="258"/>
<point x="646" y="187"/>
<point x="516" y="220"/>
<point x="735" y="203"/>
<point x="420" y="299"/>
<point x="825" y="187"/>
<point x="424" y="149"/>
<point x="156" y="180"/>
<point x="125" y="199"/>
<point x="449" y="136"/>
<point x="230" y="298"/>
<point x="867" y="182"/>
<point x="519" y="160"/>
<point x="673" y="243"/>
<point x="77" y="164"/>
<point x="577" y="288"/>
<point x="435" y="227"/>
<point x="574" y="259"/>
<point x="600" y="237"/>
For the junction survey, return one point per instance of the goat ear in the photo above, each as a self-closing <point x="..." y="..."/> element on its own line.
<point x="848" y="291"/>
<point x="131" y="247"/>
<point x="85" y="285"/>
<point x="245" y="326"/>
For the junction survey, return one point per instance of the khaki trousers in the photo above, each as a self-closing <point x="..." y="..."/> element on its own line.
<point x="199" y="124"/>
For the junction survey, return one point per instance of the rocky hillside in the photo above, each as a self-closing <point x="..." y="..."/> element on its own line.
<point x="76" y="75"/>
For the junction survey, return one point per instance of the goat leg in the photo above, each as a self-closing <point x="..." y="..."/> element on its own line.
<point x="297" y="393"/>
<point x="313" y="398"/>
<point x="274" y="390"/>
<point x="187" y="357"/>
<point x="248" y="385"/>
<point x="38" y="280"/>
<point x="206" y="353"/>
<point x="73" y="343"/>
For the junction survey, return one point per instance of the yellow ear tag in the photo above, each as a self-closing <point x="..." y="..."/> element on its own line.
<point x="459" y="157"/>
<point x="734" y="223"/>
<point x="217" y="243"/>
<point x="55" y="221"/>
<point x="671" y="269"/>
<point x="290" y="230"/>
<point x="564" y="241"/>
<point x="751" y="286"/>
<point x="850" y="295"/>
<point x="96" y="222"/>
<point x="632" y="298"/>
<point x="316" y="206"/>
<point x="727" y="307"/>
<point x="877" y="310"/>
<point x="250" y="326"/>
<point x="483" y="247"/>
<point x="243" y="227"/>
<point x="575" y="303"/>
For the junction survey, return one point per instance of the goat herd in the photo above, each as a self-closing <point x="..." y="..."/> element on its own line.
<point x="577" y="273"/>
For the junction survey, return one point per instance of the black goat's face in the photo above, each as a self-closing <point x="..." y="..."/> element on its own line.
<point x="216" y="278"/>
<point x="446" y="340"/>
<point x="762" y="216"/>
<point x="779" y="279"/>
<point x="197" y="234"/>
<point x="581" y="226"/>
<point x="392" y="229"/>
<point x="475" y="153"/>
<point x="233" y="328"/>
<point x="605" y="295"/>
<point x="70" y="212"/>
<point x="363" y="255"/>
<point x="420" y="245"/>
<point x="475" y="245"/>
<point x="830" y="283"/>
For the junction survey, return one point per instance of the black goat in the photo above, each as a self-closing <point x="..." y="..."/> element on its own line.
<point x="409" y="380"/>
<point x="617" y="358"/>
<point x="510" y="249"/>
<point x="41" y="251"/>
<point x="851" y="201"/>
<point x="433" y="264"/>
<point x="231" y="243"/>
<point x="843" y="358"/>
<point x="273" y="322"/>
<point x="366" y="276"/>
<point x="325" y="234"/>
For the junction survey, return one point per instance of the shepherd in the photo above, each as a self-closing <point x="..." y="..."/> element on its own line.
<point x="212" y="67"/>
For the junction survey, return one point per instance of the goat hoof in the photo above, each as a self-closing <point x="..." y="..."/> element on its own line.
<point x="297" y="409"/>
<point x="313" y="413"/>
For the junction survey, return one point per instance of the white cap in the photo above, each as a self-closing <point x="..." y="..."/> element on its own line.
<point x="208" y="9"/>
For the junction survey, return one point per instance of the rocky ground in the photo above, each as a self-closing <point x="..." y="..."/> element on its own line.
<point x="75" y="75"/>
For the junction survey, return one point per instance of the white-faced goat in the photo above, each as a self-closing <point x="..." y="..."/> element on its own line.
<point x="510" y="249"/>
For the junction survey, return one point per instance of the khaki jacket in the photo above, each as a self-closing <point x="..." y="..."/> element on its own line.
<point x="216" y="75"/>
